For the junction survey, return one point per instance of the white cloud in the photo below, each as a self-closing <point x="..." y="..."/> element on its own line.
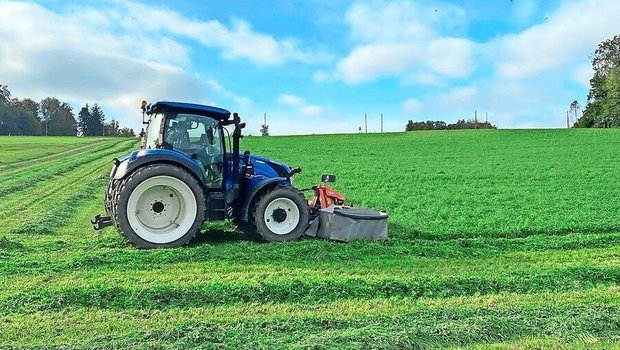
<point x="82" y="56"/>
<point x="524" y="10"/>
<point x="569" y="35"/>
<point x="237" y="41"/>
<point x="411" y="106"/>
<point x="583" y="74"/>
<point x="451" y="56"/>
<point x="394" y="38"/>
<point x="367" y="62"/>
<point x="460" y="98"/>
<point x="303" y="108"/>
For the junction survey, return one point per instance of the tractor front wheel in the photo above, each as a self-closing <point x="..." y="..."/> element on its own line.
<point x="159" y="206"/>
<point x="281" y="215"/>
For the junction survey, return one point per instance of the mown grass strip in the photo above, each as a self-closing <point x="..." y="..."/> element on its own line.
<point x="9" y="168"/>
<point x="305" y="254"/>
<point x="164" y="296"/>
<point x="27" y="179"/>
<point x="376" y="323"/>
<point x="52" y="220"/>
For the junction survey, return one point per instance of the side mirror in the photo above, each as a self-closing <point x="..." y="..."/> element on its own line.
<point x="328" y="178"/>
<point x="236" y="118"/>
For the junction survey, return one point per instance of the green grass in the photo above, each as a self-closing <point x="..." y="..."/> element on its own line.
<point x="498" y="239"/>
<point x="17" y="149"/>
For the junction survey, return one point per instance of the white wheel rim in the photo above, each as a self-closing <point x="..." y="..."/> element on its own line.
<point x="278" y="223"/>
<point x="161" y="209"/>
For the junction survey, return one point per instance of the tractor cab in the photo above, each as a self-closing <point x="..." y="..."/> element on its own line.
<point x="194" y="130"/>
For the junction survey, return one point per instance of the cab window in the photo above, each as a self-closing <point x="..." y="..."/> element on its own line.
<point x="200" y="138"/>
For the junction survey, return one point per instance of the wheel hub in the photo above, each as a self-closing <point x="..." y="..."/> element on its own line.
<point x="158" y="207"/>
<point x="279" y="215"/>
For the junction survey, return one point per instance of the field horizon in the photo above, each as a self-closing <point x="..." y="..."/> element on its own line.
<point x="497" y="238"/>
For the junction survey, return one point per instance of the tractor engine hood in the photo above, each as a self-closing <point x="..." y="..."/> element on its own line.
<point x="268" y="168"/>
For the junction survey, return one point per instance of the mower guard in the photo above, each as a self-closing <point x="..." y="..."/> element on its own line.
<point x="344" y="224"/>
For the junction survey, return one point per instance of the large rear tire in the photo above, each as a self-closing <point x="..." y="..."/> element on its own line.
<point x="159" y="206"/>
<point x="281" y="215"/>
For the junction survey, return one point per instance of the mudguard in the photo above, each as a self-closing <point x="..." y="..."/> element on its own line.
<point x="255" y="189"/>
<point x="138" y="159"/>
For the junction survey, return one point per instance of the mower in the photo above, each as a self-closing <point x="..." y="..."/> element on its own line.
<point x="183" y="175"/>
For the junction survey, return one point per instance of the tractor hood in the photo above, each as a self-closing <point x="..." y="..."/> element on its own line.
<point x="267" y="167"/>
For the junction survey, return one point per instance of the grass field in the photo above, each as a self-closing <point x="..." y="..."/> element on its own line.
<point x="502" y="239"/>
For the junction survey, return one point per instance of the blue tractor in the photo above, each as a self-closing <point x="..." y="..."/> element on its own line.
<point x="183" y="174"/>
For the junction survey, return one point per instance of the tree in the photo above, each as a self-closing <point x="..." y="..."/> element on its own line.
<point x="27" y="113"/>
<point x="57" y="117"/>
<point x="612" y="104"/>
<point x="574" y="108"/>
<point x="264" y="130"/>
<point x="96" y="121"/>
<point x="5" y="94"/>
<point x="601" y="109"/>
<point x="83" y="120"/>
<point x="112" y="128"/>
<point x="126" y="132"/>
<point x="63" y="121"/>
<point x="49" y="107"/>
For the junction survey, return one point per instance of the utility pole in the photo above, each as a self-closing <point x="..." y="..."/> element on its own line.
<point x="475" y="119"/>
<point x="381" y="122"/>
<point x="486" y="117"/>
<point x="46" y="121"/>
<point x="567" y="121"/>
<point x="366" y="122"/>
<point x="265" y="119"/>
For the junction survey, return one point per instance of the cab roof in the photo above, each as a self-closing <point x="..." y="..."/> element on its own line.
<point x="191" y="108"/>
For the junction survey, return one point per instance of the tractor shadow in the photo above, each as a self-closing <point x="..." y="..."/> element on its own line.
<point x="211" y="236"/>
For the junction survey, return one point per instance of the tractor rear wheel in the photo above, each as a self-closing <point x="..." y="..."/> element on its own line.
<point x="159" y="206"/>
<point x="281" y="215"/>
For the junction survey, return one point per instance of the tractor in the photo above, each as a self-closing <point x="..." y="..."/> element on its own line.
<point x="183" y="174"/>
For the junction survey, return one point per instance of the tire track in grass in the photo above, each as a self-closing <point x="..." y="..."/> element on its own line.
<point x="299" y="290"/>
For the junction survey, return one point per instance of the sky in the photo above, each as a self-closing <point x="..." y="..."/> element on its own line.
<point x="313" y="66"/>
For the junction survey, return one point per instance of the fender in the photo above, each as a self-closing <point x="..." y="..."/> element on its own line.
<point x="255" y="189"/>
<point x="140" y="158"/>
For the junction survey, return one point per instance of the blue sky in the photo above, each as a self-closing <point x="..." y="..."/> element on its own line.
<point x="313" y="66"/>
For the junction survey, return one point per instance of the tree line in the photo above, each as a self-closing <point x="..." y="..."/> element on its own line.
<point x="53" y="117"/>
<point x="603" y="106"/>
<point x="441" y="125"/>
